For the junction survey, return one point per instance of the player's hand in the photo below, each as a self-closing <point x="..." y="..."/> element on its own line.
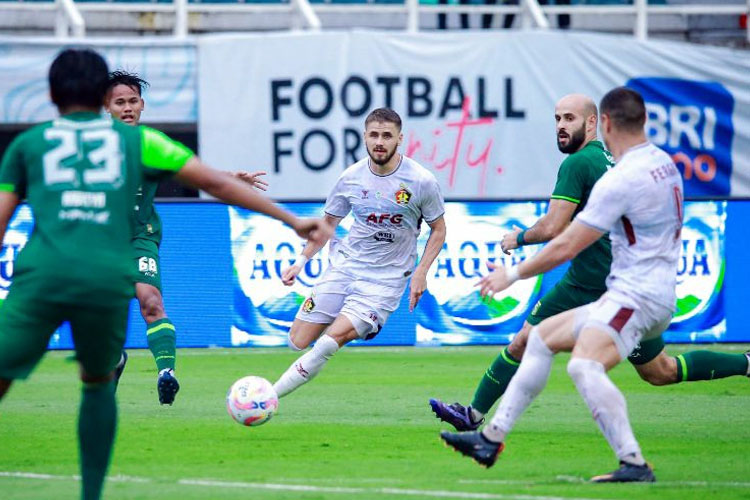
<point x="510" y="240"/>
<point x="416" y="288"/>
<point x="316" y="231"/>
<point x="253" y="178"/>
<point x="496" y="281"/>
<point x="289" y="275"/>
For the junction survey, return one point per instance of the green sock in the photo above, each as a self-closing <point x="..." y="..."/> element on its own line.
<point x="97" y="421"/>
<point x="162" y="340"/>
<point x="707" y="365"/>
<point x="495" y="381"/>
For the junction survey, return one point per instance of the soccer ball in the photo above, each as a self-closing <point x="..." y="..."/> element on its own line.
<point x="252" y="401"/>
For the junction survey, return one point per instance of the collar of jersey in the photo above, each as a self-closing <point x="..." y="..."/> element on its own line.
<point x="369" y="167"/>
<point x="79" y="116"/>
<point x="636" y="147"/>
<point x="82" y="120"/>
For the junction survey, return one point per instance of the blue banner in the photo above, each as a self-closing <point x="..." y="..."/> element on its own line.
<point x="221" y="268"/>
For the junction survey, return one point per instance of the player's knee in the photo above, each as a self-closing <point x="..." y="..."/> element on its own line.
<point x="90" y="379"/>
<point x="662" y="370"/>
<point x="152" y="307"/>
<point x="658" y="377"/>
<point x="518" y="345"/>
<point x="291" y="342"/>
<point x="576" y="369"/>
<point x="579" y="368"/>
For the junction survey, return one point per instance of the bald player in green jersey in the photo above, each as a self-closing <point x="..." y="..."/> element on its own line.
<point x="124" y="101"/>
<point x="584" y="282"/>
<point x="79" y="174"/>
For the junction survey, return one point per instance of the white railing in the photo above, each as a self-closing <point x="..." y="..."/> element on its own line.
<point x="70" y="21"/>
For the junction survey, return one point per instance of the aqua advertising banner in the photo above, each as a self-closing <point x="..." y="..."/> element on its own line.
<point x="221" y="270"/>
<point x="451" y="311"/>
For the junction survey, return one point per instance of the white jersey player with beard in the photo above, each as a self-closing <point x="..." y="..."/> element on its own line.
<point x="639" y="202"/>
<point x="389" y="196"/>
<point x="370" y="267"/>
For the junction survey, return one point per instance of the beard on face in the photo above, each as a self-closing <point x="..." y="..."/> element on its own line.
<point x="386" y="158"/>
<point x="574" y="142"/>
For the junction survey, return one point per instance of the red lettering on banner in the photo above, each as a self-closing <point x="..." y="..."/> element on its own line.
<point x="460" y="145"/>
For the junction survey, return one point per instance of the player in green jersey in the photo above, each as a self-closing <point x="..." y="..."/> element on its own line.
<point x="124" y="101"/>
<point x="576" y="118"/>
<point x="80" y="173"/>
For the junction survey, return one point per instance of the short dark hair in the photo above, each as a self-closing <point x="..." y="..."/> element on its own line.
<point x="78" y="77"/>
<point x="383" y="115"/>
<point x="625" y="108"/>
<point x="132" y="80"/>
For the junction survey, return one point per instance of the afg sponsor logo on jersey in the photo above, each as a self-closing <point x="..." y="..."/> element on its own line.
<point x="16" y="237"/>
<point x="700" y="274"/>
<point x="692" y="121"/>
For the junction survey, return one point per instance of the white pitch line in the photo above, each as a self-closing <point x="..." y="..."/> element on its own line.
<point x="301" y="488"/>
<point x="377" y="491"/>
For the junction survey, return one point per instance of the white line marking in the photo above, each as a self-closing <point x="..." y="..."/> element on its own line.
<point x="301" y="488"/>
<point x="509" y="482"/>
<point x="386" y="491"/>
<point x="381" y="491"/>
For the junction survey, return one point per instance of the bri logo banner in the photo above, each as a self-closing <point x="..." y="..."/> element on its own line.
<point x="692" y="121"/>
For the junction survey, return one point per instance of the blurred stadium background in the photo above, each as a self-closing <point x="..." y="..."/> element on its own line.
<point x="284" y="86"/>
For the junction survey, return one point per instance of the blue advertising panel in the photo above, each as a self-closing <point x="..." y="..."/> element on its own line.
<point x="221" y="269"/>
<point x="692" y="121"/>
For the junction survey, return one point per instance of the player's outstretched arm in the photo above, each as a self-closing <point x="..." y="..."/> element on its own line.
<point x="289" y="275"/>
<point x="551" y="224"/>
<point x="233" y="191"/>
<point x="431" y="250"/>
<point x="561" y="249"/>
<point x="8" y="203"/>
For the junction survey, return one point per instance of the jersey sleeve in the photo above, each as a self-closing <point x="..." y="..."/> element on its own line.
<point x="433" y="206"/>
<point x="12" y="170"/>
<point x="571" y="180"/>
<point x="609" y="201"/>
<point x="337" y="203"/>
<point x="160" y="155"/>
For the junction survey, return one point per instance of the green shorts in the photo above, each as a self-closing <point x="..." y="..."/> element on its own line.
<point x="564" y="296"/>
<point x="27" y="325"/>
<point x="147" y="264"/>
<point x="646" y="351"/>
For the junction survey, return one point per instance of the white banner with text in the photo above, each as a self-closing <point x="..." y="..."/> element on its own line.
<point x="477" y="108"/>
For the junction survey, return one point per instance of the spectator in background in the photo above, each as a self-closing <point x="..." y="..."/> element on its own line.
<point x="443" y="18"/>
<point x="487" y="18"/>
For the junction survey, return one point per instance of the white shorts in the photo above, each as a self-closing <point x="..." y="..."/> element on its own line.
<point x="626" y="320"/>
<point x="366" y="304"/>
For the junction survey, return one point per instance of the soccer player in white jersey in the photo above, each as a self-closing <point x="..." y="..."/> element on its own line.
<point x="639" y="202"/>
<point x="389" y="195"/>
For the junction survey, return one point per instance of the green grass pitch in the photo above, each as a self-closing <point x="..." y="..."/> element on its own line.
<point x="363" y="429"/>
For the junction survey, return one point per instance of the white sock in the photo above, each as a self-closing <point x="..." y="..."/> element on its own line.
<point x="307" y="366"/>
<point x="608" y="407"/>
<point x="291" y="343"/>
<point x="476" y="415"/>
<point x="524" y="387"/>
